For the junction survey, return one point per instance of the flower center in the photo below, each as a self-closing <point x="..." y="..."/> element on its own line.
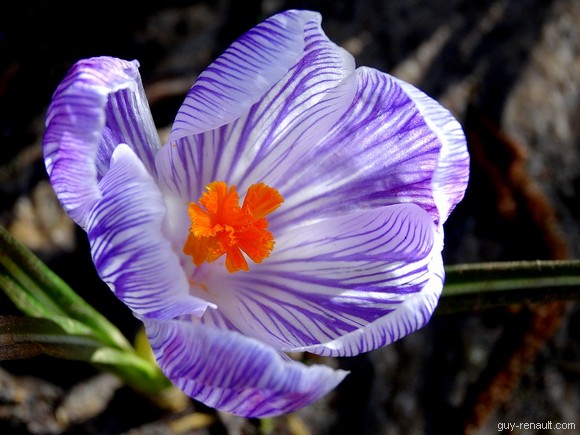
<point x="220" y="226"/>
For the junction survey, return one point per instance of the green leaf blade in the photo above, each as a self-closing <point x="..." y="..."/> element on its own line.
<point x="39" y="292"/>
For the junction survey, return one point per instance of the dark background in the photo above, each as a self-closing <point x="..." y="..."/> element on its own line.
<point x="508" y="70"/>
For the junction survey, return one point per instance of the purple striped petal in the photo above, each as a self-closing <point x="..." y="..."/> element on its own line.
<point x="410" y="316"/>
<point x="233" y="373"/>
<point x="452" y="172"/>
<point x="99" y="104"/>
<point x="332" y="278"/>
<point x="276" y="131"/>
<point x="369" y="167"/>
<point x="243" y="73"/>
<point x="128" y="245"/>
<point x="382" y="151"/>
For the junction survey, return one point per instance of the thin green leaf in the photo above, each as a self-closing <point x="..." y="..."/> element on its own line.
<point x="61" y="324"/>
<point x="32" y="307"/>
<point x="143" y="375"/>
<point x="26" y="337"/>
<point x="37" y="291"/>
<point x="472" y="287"/>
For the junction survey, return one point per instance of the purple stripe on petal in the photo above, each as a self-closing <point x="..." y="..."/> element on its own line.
<point x="182" y="169"/>
<point x="331" y="278"/>
<point x="452" y="173"/>
<point x="243" y="73"/>
<point x="381" y="152"/>
<point x="128" y="246"/>
<point x="233" y="373"/>
<point x="129" y="121"/>
<point x="98" y="101"/>
<point x="276" y="131"/>
<point x="405" y="319"/>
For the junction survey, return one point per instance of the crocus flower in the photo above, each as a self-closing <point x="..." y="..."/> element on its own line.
<point x="297" y="206"/>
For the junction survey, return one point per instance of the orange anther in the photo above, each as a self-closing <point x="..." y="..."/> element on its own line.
<point x="220" y="226"/>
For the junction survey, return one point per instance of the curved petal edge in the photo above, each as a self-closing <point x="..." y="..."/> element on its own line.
<point x="128" y="246"/>
<point x="452" y="172"/>
<point x="243" y="73"/>
<point x="410" y="316"/>
<point x="333" y="277"/>
<point x="234" y="373"/>
<point x="99" y="104"/>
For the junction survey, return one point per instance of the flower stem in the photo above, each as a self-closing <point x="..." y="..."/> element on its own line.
<point x="470" y="287"/>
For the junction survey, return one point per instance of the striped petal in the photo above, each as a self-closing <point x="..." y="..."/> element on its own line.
<point x="276" y="131"/>
<point x="452" y="171"/>
<point x="384" y="150"/>
<point x="128" y="246"/>
<point x="332" y="278"/>
<point x="243" y="73"/>
<point x="233" y="373"/>
<point x="99" y="104"/>
<point x="408" y="318"/>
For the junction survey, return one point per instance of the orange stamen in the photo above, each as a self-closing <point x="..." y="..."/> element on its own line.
<point x="220" y="226"/>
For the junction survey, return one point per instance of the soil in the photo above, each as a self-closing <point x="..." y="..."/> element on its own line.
<point x="508" y="70"/>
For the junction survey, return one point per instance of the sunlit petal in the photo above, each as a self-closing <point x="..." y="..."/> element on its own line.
<point x="382" y="151"/>
<point x="228" y="371"/>
<point x="242" y="74"/>
<point x="331" y="278"/>
<point x="99" y="104"/>
<point x="404" y="320"/>
<point x="129" y="249"/>
<point x="452" y="172"/>
<point x="272" y="134"/>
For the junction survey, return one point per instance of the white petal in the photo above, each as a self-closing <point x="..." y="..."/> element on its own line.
<point x="330" y="279"/>
<point x="405" y="319"/>
<point x="243" y="73"/>
<point x="233" y="373"/>
<point x="452" y="173"/>
<point x="99" y="104"/>
<point x="294" y="114"/>
<point x="128" y="246"/>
